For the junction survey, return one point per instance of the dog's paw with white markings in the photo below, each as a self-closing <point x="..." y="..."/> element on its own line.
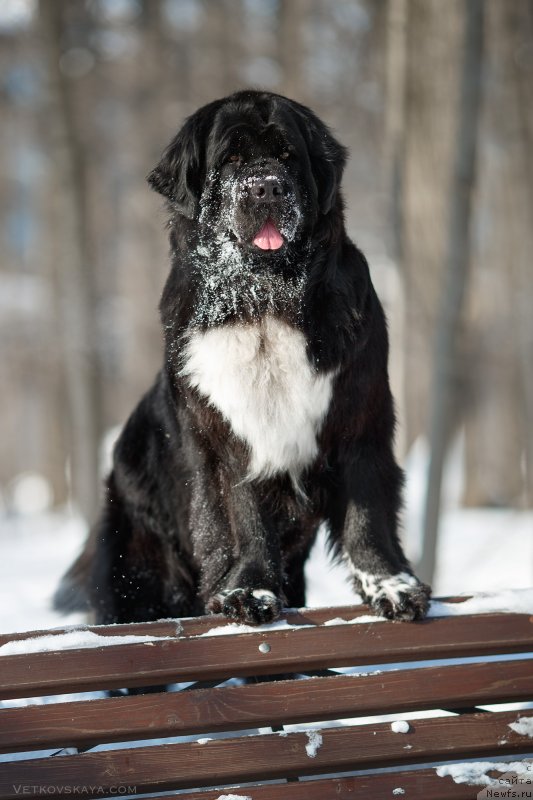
<point x="401" y="596"/>
<point x="254" y="606"/>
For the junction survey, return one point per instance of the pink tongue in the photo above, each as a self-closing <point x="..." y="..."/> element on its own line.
<point x="268" y="238"/>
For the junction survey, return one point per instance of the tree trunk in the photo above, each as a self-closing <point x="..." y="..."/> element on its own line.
<point x="521" y="29"/>
<point x="431" y="98"/>
<point x="498" y="426"/>
<point x="394" y="157"/>
<point x="74" y="268"/>
<point x="292" y="16"/>
<point x="458" y="261"/>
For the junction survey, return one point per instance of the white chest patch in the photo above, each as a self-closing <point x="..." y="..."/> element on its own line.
<point x="260" y="379"/>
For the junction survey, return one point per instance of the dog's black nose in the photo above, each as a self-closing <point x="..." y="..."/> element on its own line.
<point x="266" y="190"/>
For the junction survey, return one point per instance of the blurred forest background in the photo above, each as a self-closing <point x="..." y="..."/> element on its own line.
<point x="434" y="100"/>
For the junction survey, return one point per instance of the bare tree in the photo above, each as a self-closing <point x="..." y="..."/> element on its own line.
<point x="431" y="100"/>
<point x="456" y="276"/>
<point x="292" y="16"/>
<point x="74" y="268"/>
<point x="520" y="26"/>
<point x="394" y="156"/>
<point x="495" y="430"/>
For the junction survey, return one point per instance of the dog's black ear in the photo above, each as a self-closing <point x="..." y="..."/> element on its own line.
<point x="180" y="174"/>
<point x="327" y="156"/>
<point x="328" y="159"/>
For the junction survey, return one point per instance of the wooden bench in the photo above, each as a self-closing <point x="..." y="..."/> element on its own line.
<point x="375" y="762"/>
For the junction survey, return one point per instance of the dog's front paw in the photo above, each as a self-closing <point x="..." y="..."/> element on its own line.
<point x="401" y="596"/>
<point x="254" y="606"/>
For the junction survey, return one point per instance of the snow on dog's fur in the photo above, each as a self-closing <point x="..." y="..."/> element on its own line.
<point x="272" y="412"/>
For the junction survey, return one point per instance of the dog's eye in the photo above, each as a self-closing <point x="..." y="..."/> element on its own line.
<point x="234" y="159"/>
<point x="285" y="154"/>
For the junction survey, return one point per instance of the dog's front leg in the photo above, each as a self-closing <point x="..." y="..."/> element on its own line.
<point x="238" y="553"/>
<point x="368" y="532"/>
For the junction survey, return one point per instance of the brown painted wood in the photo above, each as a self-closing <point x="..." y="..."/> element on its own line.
<point x="205" y="658"/>
<point x="163" y="628"/>
<point x="231" y="708"/>
<point x="191" y="626"/>
<point x="423" y="784"/>
<point x="195" y="626"/>
<point x="259" y="758"/>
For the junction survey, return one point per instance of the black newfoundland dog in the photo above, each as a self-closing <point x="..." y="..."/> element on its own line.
<point x="272" y="412"/>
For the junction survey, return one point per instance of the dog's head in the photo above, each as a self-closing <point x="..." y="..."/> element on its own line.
<point x="254" y="169"/>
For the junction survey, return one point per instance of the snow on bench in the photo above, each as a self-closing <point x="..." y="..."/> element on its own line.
<point x="373" y="708"/>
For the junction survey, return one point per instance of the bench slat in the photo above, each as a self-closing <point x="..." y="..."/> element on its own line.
<point x="258" y="758"/>
<point x="195" y="626"/>
<point x="234" y="707"/>
<point x="422" y="784"/>
<point x="192" y="626"/>
<point x="206" y="658"/>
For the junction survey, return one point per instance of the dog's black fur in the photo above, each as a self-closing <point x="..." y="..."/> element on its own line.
<point x="186" y="528"/>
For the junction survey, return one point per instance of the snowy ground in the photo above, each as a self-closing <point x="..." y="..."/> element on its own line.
<point x="479" y="550"/>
